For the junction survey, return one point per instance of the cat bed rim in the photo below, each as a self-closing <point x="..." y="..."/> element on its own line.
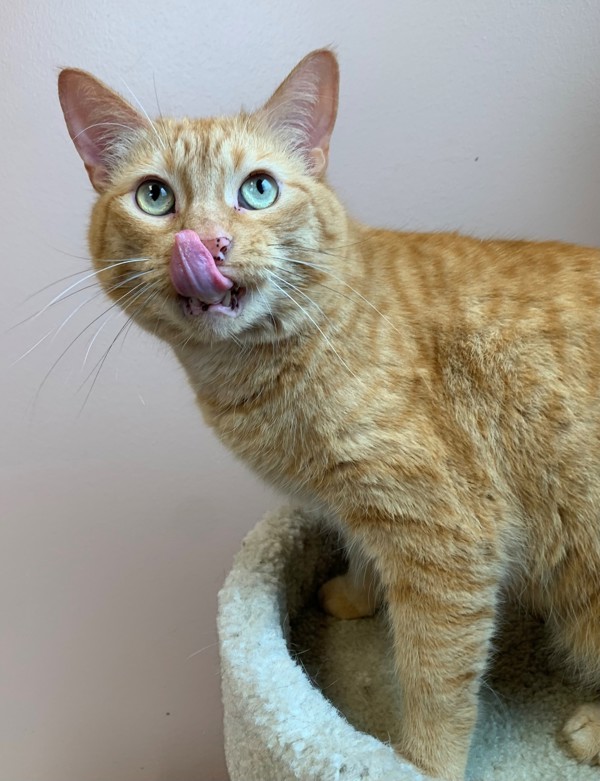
<point x="274" y="715"/>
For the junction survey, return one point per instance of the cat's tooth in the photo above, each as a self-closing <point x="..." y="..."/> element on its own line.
<point x="226" y="299"/>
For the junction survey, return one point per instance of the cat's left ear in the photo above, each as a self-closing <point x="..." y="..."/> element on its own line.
<point x="304" y="107"/>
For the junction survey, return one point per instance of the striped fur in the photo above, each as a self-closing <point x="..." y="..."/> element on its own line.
<point x="438" y="395"/>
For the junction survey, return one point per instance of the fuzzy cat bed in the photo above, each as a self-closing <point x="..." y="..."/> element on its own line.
<point x="311" y="698"/>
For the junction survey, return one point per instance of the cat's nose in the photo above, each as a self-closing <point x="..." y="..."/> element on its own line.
<point x="217" y="247"/>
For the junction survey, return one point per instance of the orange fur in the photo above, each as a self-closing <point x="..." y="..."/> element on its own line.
<point x="437" y="395"/>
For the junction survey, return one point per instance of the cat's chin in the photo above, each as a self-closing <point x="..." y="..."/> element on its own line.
<point x="231" y="305"/>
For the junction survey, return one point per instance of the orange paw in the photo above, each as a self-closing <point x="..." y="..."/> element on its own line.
<point x="582" y="734"/>
<point x="342" y="599"/>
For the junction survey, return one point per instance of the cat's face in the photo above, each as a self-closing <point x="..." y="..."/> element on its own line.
<point x="207" y="229"/>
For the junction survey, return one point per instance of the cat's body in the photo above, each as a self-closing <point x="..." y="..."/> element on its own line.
<point x="438" y="396"/>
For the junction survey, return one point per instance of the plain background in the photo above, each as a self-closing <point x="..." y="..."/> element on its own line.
<point x="120" y="515"/>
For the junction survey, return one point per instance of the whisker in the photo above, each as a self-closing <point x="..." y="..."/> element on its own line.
<point x="61" y="296"/>
<point x="83" y="271"/>
<point x="31" y="349"/>
<point x="74" y="312"/>
<point x="131" y="324"/>
<point x="129" y="321"/>
<point x="318" y="327"/>
<point x="343" y="282"/>
<point x="119" y="284"/>
<point x="160" y="114"/>
<point x="268" y="306"/>
<point x="72" y="342"/>
<point x="200" y="650"/>
<point x="156" y="95"/>
<point x="101" y="124"/>
<point x="51" y="284"/>
<point x="64" y="252"/>
<point x="302" y="293"/>
<point x="145" y="113"/>
<point x="100" y="364"/>
<point x="93" y="339"/>
<point x="294" y="245"/>
<point x="62" y="325"/>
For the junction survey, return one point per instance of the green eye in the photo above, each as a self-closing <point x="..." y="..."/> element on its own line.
<point x="155" y="197"/>
<point x="259" y="191"/>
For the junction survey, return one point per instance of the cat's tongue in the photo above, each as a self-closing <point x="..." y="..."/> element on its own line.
<point x="193" y="270"/>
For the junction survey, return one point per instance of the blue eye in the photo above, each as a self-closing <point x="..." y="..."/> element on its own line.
<point x="259" y="191"/>
<point x="155" y="197"/>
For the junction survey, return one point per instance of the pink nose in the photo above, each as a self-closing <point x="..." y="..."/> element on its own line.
<point x="217" y="247"/>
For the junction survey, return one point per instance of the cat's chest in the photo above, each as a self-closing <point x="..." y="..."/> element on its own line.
<point x="287" y="428"/>
<point x="290" y="439"/>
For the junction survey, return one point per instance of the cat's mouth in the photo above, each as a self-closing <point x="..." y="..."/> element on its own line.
<point x="230" y="305"/>
<point x="202" y="287"/>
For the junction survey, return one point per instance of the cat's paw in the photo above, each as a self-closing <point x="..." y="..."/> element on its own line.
<point x="342" y="599"/>
<point x="581" y="734"/>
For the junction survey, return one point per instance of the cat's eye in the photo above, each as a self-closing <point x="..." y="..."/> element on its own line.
<point x="259" y="191"/>
<point x="155" y="197"/>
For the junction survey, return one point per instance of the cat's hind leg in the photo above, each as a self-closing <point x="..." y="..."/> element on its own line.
<point x="354" y="594"/>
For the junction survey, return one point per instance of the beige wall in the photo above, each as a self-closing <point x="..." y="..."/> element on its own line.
<point x="119" y="522"/>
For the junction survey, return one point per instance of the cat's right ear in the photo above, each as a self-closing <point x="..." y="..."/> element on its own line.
<point x="101" y="124"/>
<point x="304" y="107"/>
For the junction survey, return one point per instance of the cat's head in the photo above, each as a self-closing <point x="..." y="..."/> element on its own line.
<point x="212" y="228"/>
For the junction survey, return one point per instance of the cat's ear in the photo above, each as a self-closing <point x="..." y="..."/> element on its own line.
<point x="101" y="124"/>
<point x="304" y="106"/>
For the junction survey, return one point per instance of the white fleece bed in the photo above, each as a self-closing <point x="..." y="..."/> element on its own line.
<point x="311" y="698"/>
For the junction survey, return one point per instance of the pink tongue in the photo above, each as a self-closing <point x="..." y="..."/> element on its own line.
<point x="193" y="270"/>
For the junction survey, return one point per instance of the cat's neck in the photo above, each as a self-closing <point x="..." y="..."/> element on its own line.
<point x="229" y="374"/>
<point x="345" y="301"/>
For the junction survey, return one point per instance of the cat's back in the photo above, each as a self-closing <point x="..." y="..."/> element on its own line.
<point x="504" y="337"/>
<point x="490" y="311"/>
<point x="497" y="279"/>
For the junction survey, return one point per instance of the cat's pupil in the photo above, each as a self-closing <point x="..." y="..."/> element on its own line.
<point x="155" y="191"/>
<point x="262" y="185"/>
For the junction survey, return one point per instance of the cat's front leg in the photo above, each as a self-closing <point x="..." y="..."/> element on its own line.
<point x="440" y="586"/>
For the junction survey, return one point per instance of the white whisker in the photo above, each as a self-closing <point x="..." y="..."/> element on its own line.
<point x="83" y="271"/>
<point x="130" y="278"/>
<point x="63" y="294"/>
<point x="145" y="113"/>
<point x="343" y="282"/>
<point x="302" y="293"/>
<point x="318" y="327"/>
<point x="80" y="334"/>
<point x="74" y="312"/>
<point x="100" y="124"/>
<point x="93" y="339"/>
<point x="31" y="349"/>
<point x="101" y="362"/>
<point x="200" y="650"/>
<point x="51" y="284"/>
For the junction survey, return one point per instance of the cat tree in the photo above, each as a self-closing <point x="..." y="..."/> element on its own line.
<point x="310" y="698"/>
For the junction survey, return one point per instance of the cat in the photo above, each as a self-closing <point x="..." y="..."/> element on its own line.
<point x="437" y="395"/>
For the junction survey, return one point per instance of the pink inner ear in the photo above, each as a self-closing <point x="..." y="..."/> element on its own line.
<point x="324" y="112"/>
<point x="305" y="105"/>
<point x="99" y="121"/>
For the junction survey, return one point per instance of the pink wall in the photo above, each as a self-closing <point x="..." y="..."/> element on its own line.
<point x="119" y="522"/>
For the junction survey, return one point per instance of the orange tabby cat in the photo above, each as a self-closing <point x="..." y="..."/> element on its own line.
<point x="438" y="396"/>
